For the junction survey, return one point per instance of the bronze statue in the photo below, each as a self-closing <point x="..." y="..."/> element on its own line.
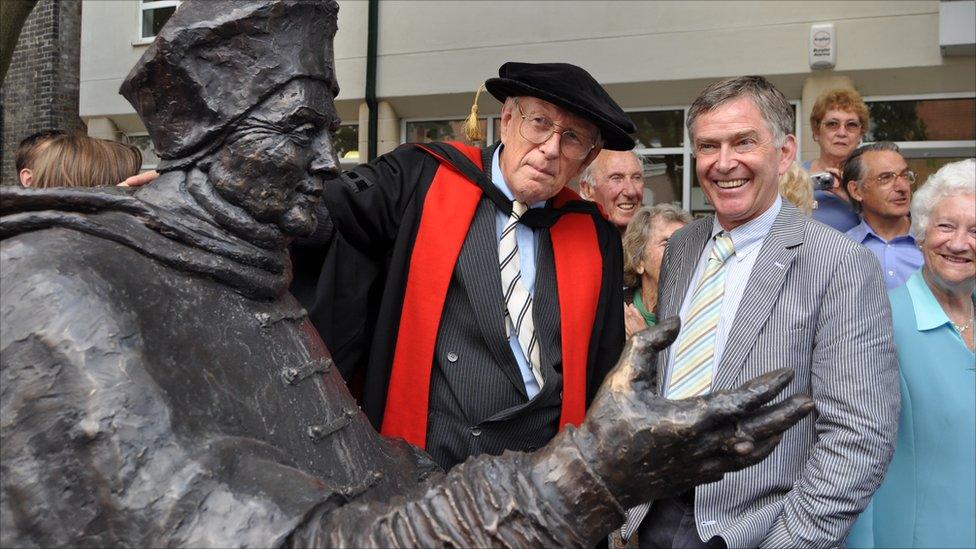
<point x="159" y="386"/>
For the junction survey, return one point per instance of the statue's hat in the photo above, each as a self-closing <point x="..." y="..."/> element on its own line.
<point x="216" y="59"/>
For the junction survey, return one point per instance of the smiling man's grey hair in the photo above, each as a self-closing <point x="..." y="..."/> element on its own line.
<point x="772" y="104"/>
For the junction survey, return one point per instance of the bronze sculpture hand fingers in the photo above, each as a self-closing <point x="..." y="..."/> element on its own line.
<point x="638" y="359"/>
<point x="749" y="396"/>
<point x="725" y="427"/>
<point x="714" y="468"/>
<point x="773" y="420"/>
<point x="644" y="446"/>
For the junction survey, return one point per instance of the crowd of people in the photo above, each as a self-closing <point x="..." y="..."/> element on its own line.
<point x="494" y="313"/>
<point x="925" y="246"/>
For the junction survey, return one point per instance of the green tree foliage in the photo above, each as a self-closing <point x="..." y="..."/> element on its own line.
<point x="896" y="121"/>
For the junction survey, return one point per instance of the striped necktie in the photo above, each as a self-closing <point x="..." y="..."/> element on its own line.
<point x="695" y="354"/>
<point x="518" y="302"/>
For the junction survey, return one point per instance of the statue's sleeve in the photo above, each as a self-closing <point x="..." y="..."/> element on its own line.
<point x="546" y="499"/>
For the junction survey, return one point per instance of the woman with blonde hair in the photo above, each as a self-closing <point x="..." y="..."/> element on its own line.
<point x="82" y="161"/>
<point x="795" y="185"/>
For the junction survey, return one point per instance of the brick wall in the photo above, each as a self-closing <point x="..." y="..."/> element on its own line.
<point x="41" y="89"/>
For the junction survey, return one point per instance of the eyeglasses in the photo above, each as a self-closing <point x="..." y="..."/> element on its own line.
<point x="887" y="178"/>
<point x="538" y="128"/>
<point x="852" y="126"/>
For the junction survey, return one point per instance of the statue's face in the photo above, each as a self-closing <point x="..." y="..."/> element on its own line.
<point x="273" y="164"/>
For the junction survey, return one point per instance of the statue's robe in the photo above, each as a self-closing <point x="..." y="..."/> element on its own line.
<point x="160" y="387"/>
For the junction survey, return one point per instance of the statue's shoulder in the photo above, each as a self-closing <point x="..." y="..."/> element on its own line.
<point x="58" y="250"/>
<point x="58" y="278"/>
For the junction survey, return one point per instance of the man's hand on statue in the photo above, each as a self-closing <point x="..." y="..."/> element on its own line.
<point x="646" y="447"/>
<point x="140" y="179"/>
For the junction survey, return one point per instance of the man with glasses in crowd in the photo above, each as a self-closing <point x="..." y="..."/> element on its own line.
<point x="880" y="183"/>
<point x="498" y="307"/>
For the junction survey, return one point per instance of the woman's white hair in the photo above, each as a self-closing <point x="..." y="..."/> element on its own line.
<point x="954" y="179"/>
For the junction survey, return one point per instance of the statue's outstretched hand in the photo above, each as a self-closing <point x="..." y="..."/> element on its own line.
<point x="646" y="447"/>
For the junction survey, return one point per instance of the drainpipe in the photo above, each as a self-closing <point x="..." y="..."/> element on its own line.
<point x="371" y="39"/>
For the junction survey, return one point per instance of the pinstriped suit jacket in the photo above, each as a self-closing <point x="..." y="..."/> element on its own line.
<point x="475" y="381"/>
<point x="815" y="302"/>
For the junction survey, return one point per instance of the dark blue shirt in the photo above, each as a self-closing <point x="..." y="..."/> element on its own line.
<point x="834" y="211"/>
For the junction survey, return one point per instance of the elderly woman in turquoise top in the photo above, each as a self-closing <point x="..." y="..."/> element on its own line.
<point x="928" y="498"/>
<point x="644" y="241"/>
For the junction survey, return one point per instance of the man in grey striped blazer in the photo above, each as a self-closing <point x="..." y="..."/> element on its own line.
<point x="797" y="294"/>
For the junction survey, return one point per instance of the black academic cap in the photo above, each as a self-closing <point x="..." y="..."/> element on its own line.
<point x="571" y="88"/>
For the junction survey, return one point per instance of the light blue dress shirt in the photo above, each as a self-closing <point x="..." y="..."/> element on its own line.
<point x="527" y="240"/>
<point x="899" y="257"/>
<point x="748" y="239"/>
<point x="928" y="498"/>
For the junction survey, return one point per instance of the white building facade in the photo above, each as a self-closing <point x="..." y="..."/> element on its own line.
<point x="911" y="58"/>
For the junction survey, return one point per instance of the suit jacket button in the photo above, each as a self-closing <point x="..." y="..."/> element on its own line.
<point x="452" y="357"/>
<point x="476" y="431"/>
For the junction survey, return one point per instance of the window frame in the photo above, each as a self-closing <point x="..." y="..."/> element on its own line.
<point x="489" y="125"/>
<point x="348" y="163"/>
<point x="685" y="151"/>
<point x="933" y="148"/>
<point x="144" y="5"/>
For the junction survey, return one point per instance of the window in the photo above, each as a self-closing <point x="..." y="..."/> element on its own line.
<point x="447" y="129"/>
<point x="931" y="130"/>
<point x="923" y="120"/>
<point x="346" y="143"/>
<point x="153" y="14"/>
<point x="661" y="145"/>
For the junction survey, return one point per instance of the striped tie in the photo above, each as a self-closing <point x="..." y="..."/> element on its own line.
<point x="518" y="302"/>
<point x="694" y="358"/>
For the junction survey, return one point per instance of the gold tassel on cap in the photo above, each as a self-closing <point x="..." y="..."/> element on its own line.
<point x="471" y="128"/>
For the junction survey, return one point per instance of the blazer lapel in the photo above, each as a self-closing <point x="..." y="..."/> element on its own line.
<point x="676" y="280"/>
<point x="478" y="272"/>
<point x="761" y="293"/>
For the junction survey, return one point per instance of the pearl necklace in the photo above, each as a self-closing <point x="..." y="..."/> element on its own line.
<point x="961" y="327"/>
